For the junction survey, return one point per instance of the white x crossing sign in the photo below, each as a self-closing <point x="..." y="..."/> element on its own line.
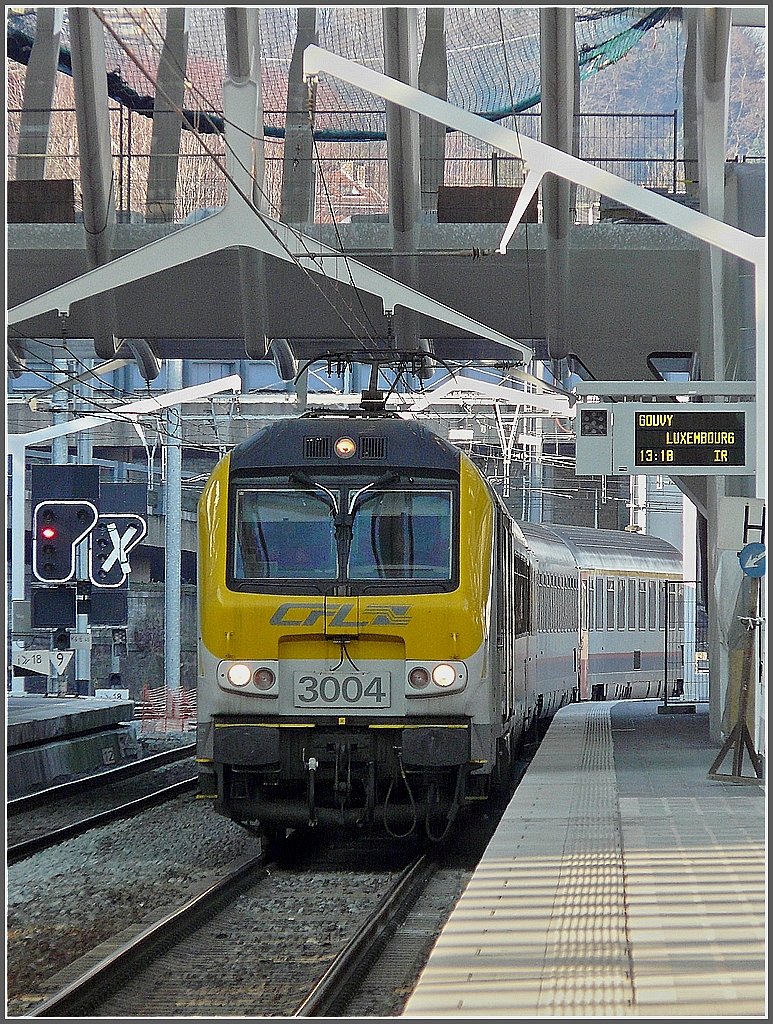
<point x="110" y="542"/>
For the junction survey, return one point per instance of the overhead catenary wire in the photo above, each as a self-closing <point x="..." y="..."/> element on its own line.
<point x="248" y="200"/>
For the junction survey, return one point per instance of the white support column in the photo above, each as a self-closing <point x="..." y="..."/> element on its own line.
<point x="82" y="667"/>
<point x="712" y="30"/>
<point x="39" y="84"/>
<point x="89" y="73"/>
<point x="559" y="78"/>
<point x="244" y="68"/>
<point x="298" y="168"/>
<point x="401" y="61"/>
<point x="167" y="121"/>
<point x="173" y="534"/>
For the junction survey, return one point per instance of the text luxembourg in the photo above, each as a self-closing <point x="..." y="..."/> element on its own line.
<point x="688" y="437"/>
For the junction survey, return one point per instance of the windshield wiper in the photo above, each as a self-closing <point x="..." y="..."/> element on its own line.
<point x="343" y="521"/>
<point x="388" y="478"/>
<point x="308" y="484"/>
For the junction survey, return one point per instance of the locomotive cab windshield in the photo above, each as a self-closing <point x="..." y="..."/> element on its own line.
<point x="306" y="534"/>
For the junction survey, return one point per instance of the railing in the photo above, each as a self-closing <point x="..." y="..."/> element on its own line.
<point x="351" y="177"/>
<point x="686" y="641"/>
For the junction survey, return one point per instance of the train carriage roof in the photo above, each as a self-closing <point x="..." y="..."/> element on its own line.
<point x="617" y="550"/>
<point x="550" y="556"/>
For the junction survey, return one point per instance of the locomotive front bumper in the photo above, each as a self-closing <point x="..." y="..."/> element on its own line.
<point x="287" y="743"/>
<point x="337" y="770"/>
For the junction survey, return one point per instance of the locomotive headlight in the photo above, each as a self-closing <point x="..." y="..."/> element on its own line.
<point x="239" y="675"/>
<point x="345" y="447"/>
<point x="444" y="675"/>
<point x="264" y="678"/>
<point x="418" y="677"/>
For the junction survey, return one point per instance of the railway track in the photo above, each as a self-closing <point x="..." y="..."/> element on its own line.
<point x="52" y="815"/>
<point x="236" y="906"/>
<point x="307" y="934"/>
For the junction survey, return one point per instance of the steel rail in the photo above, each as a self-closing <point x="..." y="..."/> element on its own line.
<point x="90" y="988"/>
<point x="20" y="851"/>
<point x="124" y="771"/>
<point x="350" y="961"/>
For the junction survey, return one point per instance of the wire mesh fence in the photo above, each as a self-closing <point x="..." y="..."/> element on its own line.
<point x="351" y="179"/>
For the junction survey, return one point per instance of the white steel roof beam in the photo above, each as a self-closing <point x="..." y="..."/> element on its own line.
<point x="238" y="225"/>
<point x="542" y="159"/>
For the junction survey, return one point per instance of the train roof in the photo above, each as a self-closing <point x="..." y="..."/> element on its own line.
<point x="302" y="442"/>
<point x="550" y="556"/>
<point x="616" y="549"/>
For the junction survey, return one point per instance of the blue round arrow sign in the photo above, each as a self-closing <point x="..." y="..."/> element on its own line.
<point x="752" y="559"/>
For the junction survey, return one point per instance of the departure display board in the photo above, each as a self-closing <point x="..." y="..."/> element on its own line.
<point x="689" y="437"/>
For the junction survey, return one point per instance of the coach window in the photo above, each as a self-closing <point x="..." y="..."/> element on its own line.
<point x="631" y="604"/>
<point x="610" y="604"/>
<point x="642" y="604"/>
<point x="521" y="596"/>
<point x="621" y="604"/>
<point x="652" y="594"/>
<point x="600" y="584"/>
<point x="662" y="605"/>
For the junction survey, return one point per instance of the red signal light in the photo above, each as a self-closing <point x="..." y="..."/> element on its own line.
<point x="49" y="533"/>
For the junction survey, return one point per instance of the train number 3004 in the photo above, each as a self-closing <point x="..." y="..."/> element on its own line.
<point x="365" y="690"/>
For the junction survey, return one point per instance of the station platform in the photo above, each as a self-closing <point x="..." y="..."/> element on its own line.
<point x="53" y="739"/>
<point x="621" y="881"/>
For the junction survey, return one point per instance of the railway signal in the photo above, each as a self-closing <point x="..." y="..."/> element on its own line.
<point x="57" y="529"/>
<point x="111" y="540"/>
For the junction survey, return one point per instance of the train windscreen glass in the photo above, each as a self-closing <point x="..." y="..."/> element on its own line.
<point x="283" y="534"/>
<point x="402" y="535"/>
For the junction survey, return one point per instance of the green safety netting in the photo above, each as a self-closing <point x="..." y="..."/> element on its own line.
<point x="493" y="58"/>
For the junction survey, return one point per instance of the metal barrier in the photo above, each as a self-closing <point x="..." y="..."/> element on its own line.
<point x="352" y="176"/>
<point x="686" y="658"/>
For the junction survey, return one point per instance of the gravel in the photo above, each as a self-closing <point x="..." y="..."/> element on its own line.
<point x="64" y="901"/>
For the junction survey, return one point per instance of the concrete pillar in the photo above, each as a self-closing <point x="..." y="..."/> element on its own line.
<point x="559" y="78"/>
<point x="167" y="121"/>
<point x="401" y="55"/>
<point x="297" y="205"/>
<point x="690" y="101"/>
<point x="710" y="30"/>
<point x="243" y="50"/>
<point x="89" y="72"/>
<point x="39" y="85"/>
<point x="433" y="78"/>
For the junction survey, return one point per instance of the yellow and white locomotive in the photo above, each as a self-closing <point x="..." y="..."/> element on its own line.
<point x="376" y="631"/>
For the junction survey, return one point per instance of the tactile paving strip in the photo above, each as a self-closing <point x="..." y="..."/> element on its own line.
<point x="621" y="881"/>
<point x="587" y="965"/>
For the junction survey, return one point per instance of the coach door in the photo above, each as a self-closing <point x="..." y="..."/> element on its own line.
<point x="587" y="596"/>
<point x="505" y="639"/>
